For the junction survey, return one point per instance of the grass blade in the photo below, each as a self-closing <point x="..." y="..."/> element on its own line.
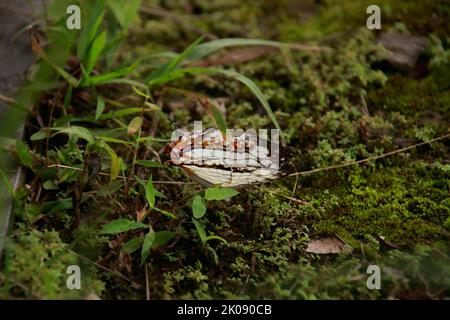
<point x="108" y="77"/>
<point x="89" y="32"/>
<point x="167" y="68"/>
<point x="176" y="74"/>
<point x="150" y="193"/>
<point x="94" y="52"/>
<point x="210" y="47"/>
<point x="100" y="107"/>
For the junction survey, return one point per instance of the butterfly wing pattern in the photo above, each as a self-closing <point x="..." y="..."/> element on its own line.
<point x="212" y="158"/>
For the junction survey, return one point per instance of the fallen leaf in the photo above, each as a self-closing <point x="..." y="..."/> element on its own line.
<point x="325" y="246"/>
<point x="92" y="296"/>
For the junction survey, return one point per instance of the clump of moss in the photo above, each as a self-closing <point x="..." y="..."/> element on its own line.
<point x="36" y="264"/>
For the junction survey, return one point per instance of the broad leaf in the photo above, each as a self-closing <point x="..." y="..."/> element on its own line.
<point x="147" y="245"/>
<point x="134" y="125"/>
<point x="77" y="131"/>
<point x="122" y="225"/>
<point x="200" y="230"/>
<point x="42" y="134"/>
<point x="132" y="245"/>
<point x="115" y="162"/>
<point x="162" y="237"/>
<point x="220" y="193"/>
<point x="198" y="207"/>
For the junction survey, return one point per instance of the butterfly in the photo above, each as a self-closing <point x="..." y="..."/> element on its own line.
<point x="213" y="158"/>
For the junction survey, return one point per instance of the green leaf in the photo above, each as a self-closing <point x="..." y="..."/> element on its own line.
<point x="142" y="183"/>
<point x="63" y="73"/>
<point x="149" y="163"/>
<point x="207" y="48"/>
<point x="24" y="154"/>
<point x="142" y="94"/>
<point x="134" y="125"/>
<point x="147" y="245"/>
<point x="113" y="140"/>
<point x="162" y="237"/>
<point x="129" y="82"/>
<point x="7" y="183"/>
<point x="42" y="134"/>
<point x="167" y="213"/>
<point x="50" y="185"/>
<point x="167" y="68"/>
<point x="132" y="245"/>
<point x="153" y="139"/>
<point x="115" y="162"/>
<point x="117" y="9"/>
<point x="256" y="91"/>
<point x="150" y="193"/>
<point x="89" y="32"/>
<point x="77" y="131"/>
<point x="86" y="78"/>
<point x="213" y="237"/>
<point x="68" y="97"/>
<point x="220" y="193"/>
<point x="202" y="233"/>
<point x="200" y="230"/>
<point x="131" y="12"/>
<point x="100" y="107"/>
<point x="198" y="207"/>
<point x="94" y="52"/>
<point x="124" y="11"/>
<point x="57" y="206"/>
<point x="108" y="77"/>
<point x="218" y="118"/>
<point x="122" y="225"/>
<point x="112" y="114"/>
<point x="240" y="77"/>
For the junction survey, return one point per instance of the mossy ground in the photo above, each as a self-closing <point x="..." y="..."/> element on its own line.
<point x="334" y="106"/>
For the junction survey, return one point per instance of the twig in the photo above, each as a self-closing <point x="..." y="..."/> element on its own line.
<point x="295" y="187"/>
<point x="122" y="177"/>
<point x="384" y="155"/>
<point x="302" y="202"/>
<point x="6" y="99"/>
<point x="147" y="286"/>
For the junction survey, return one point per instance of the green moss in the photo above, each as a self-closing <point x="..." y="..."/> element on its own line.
<point x="334" y="106"/>
<point x="35" y="267"/>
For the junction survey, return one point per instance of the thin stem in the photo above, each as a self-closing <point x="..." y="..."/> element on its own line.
<point x="384" y="155"/>
<point x="121" y="177"/>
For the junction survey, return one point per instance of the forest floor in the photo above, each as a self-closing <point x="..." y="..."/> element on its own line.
<point x="339" y="104"/>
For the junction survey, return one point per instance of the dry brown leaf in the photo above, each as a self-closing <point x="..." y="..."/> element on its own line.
<point x="325" y="246"/>
<point x="92" y="296"/>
